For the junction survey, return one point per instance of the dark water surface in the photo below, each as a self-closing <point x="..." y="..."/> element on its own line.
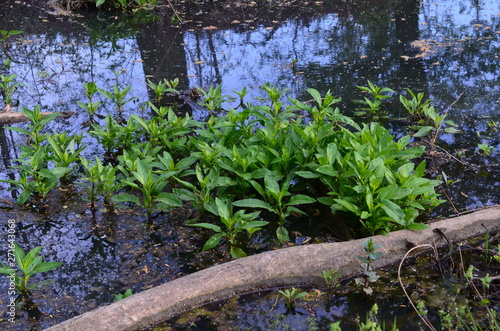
<point x="448" y="49"/>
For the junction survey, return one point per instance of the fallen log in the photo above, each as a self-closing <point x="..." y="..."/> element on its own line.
<point x="9" y="116"/>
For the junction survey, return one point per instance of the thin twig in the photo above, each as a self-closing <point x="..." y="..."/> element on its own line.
<point x="445" y="112"/>
<point x="449" y="199"/>
<point x="429" y="325"/>
<point x="476" y="209"/>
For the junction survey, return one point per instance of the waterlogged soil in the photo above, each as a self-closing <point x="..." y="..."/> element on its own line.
<point x="115" y="251"/>
<point x="437" y="282"/>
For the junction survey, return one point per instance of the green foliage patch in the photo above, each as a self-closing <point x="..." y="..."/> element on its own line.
<point x="243" y="165"/>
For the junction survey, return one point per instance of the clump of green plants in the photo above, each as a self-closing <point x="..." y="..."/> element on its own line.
<point x="35" y="175"/>
<point x="29" y="264"/>
<point x="163" y="87"/>
<point x="369" y="275"/>
<point x="259" y="159"/>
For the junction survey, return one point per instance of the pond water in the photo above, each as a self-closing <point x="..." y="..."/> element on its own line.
<point x="449" y="50"/>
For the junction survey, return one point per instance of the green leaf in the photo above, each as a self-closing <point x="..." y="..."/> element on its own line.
<point x="417" y="226"/>
<point x="169" y="199"/>
<point x="423" y="131"/>
<point x="327" y="170"/>
<point x="236" y="252"/>
<point x="45" y="266"/>
<point x="210" y="226"/>
<point x="394" y="212"/>
<point x="254" y="224"/>
<point x="223" y="209"/>
<point x="300" y="199"/>
<point x="348" y="206"/>
<point x="272" y="185"/>
<point x="24" y="196"/>
<point x="282" y="234"/>
<point x="5" y="269"/>
<point x="213" y="241"/>
<point x="253" y="203"/>
<point x="307" y="174"/>
<point x="315" y="94"/>
<point x="40" y="284"/>
<point x="127" y="198"/>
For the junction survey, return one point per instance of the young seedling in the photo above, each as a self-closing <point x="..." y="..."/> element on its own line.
<point x="91" y="107"/>
<point x="416" y="106"/>
<point x="331" y="278"/>
<point x="124" y="295"/>
<point x="371" y="256"/>
<point x="29" y="265"/>
<point x="5" y="34"/>
<point x="9" y="86"/>
<point x="373" y="106"/>
<point x="118" y="96"/>
<point x="291" y="296"/>
<point x="164" y="86"/>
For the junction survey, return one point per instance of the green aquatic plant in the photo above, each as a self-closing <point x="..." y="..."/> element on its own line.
<point x="417" y="105"/>
<point x="91" y="107"/>
<point x="164" y="86"/>
<point x="151" y="186"/>
<point x="277" y="199"/>
<point x="485" y="149"/>
<point x="9" y="86"/>
<point x="29" y="264"/>
<point x="63" y="149"/>
<point x="234" y="224"/>
<point x="290" y="296"/>
<point x="100" y="180"/>
<point x="373" y="106"/>
<point x="213" y="98"/>
<point x="117" y="96"/>
<point x="6" y="34"/>
<point x="368" y="276"/>
<point x="38" y="121"/>
<point x="201" y="192"/>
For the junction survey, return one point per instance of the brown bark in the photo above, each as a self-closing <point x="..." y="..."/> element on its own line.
<point x="9" y="116"/>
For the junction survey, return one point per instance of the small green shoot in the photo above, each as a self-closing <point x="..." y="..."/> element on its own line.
<point x="29" y="265"/>
<point x="291" y="296"/>
<point x="371" y="256"/>
<point x="124" y="295"/>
